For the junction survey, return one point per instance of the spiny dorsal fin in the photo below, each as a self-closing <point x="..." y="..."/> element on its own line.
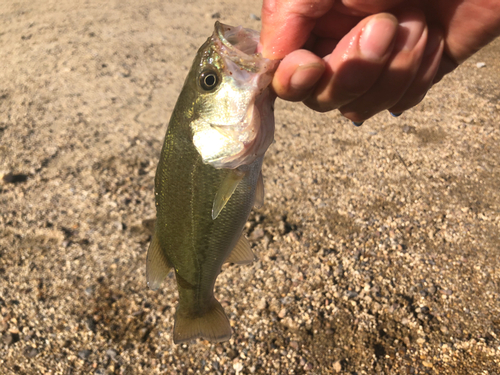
<point x="242" y="253"/>
<point x="259" y="192"/>
<point x="212" y="325"/>
<point x="157" y="266"/>
<point x="225" y="191"/>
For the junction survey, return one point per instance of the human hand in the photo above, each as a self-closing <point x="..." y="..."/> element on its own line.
<point x="360" y="60"/>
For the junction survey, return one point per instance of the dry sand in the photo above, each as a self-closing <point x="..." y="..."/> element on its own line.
<point x="378" y="246"/>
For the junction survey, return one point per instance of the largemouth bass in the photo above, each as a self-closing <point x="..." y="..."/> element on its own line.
<point x="209" y="176"/>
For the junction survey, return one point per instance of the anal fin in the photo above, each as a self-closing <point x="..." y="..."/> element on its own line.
<point x="225" y="191"/>
<point x="157" y="266"/>
<point x="213" y="325"/>
<point x="242" y="253"/>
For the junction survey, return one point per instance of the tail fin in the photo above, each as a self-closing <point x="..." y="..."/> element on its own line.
<point x="212" y="326"/>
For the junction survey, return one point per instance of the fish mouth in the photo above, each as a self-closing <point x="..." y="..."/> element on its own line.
<point x="239" y="45"/>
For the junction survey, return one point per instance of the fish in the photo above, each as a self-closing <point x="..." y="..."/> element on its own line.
<point x="209" y="176"/>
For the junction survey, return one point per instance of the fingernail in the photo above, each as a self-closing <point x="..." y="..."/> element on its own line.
<point x="396" y="114"/>
<point x="306" y="76"/>
<point x="357" y="123"/>
<point x="409" y="34"/>
<point x="434" y="39"/>
<point x="377" y="37"/>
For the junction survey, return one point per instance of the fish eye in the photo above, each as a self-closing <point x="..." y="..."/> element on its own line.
<point x="209" y="80"/>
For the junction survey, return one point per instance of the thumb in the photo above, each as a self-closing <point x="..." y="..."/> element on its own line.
<point x="286" y="25"/>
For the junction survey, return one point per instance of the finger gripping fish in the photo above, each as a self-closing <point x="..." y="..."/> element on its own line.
<point x="209" y="176"/>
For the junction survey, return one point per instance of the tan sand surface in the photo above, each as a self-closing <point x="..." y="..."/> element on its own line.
<point x="378" y="246"/>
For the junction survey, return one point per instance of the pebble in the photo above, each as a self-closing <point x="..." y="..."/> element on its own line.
<point x="261" y="305"/>
<point x="84" y="354"/>
<point x="257" y="234"/>
<point x="427" y="364"/>
<point x="237" y="366"/>
<point x="10" y="338"/>
<point x="337" y="367"/>
<point x="408" y="129"/>
<point x="275" y="306"/>
<point x="111" y="353"/>
<point x="30" y="352"/>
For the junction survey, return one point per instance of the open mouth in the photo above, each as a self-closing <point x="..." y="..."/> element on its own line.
<point x="240" y="46"/>
<point x="238" y="38"/>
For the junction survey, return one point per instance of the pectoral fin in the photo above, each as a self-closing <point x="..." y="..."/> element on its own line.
<point x="259" y="192"/>
<point x="157" y="266"/>
<point x="242" y="253"/>
<point x="225" y="191"/>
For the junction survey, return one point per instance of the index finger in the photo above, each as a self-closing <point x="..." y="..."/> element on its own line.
<point x="286" y="25"/>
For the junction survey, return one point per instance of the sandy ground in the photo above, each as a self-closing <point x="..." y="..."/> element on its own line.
<point x="378" y="246"/>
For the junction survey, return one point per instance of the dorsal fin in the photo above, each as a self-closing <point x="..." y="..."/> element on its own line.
<point x="157" y="266"/>
<point x="225" y="191"/>
<point x="242" y="253"/>
<point x="259" y="192"/>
